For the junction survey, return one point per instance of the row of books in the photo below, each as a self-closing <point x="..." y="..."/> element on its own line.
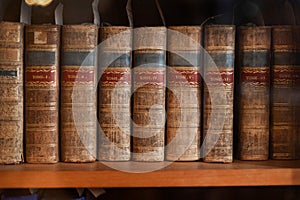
<point x="55" y="109"/>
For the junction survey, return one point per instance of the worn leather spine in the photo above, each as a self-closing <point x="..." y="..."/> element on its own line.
<point x="79" y="93"/>
<point x="149" y="81"/>
<point x="219" y="42"/>
<point x="114" y="93"/>
<point x="184" y="93"/>
<point x="42" y="55"/>
<point x="254" y="51"/>
<point x="284" y="118"/>
<point x="11" y="90"/>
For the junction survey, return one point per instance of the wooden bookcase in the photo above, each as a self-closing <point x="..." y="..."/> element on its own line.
<point x="178" y="174"/>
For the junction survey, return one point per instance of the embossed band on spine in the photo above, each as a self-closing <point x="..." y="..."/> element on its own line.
<point x="225" y="76"/>
<point x="78" y="76"/>
<point x="114" y="76"/>
<point x="149" y="77"/>
<point x="193" y="77"/>
<point x="256" y="76"/>
<point x="40" y="76"/>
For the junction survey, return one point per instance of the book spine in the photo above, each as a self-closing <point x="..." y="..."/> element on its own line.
<point x="219" y="42"/>
<point x="42" y="93"/>
<point x="254" y="45"/>
<point x="149" y="81"/>
<point x="79" y="93"/>
<point x="296" y="98"/>
<point x="11" y="90"/>
<point x="114" y="93"/>
<point x="284" y="134"/>
<point x="184" y="93"/>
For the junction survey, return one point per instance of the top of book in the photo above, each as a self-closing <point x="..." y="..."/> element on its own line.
<point x="150" y="38"/>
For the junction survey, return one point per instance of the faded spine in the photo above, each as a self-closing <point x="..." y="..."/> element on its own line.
<point x="11" y="90"/>
<point x="149" y="94"/>
<point x="78" y="93"/>
<point x="184" y="93"/>
<point x="114" y="93"/>
<point x="219" y="42"/>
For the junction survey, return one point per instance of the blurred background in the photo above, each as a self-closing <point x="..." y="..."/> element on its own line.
<point x="179" y="12"/>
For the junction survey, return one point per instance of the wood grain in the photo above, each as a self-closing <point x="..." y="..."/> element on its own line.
<point x="192" y="174"/>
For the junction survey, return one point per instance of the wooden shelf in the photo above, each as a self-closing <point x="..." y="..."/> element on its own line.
<point x="179" y="174"/>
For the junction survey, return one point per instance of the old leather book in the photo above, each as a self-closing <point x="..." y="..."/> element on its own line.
<point x="149" y="78"/>
<point x="114" y="93"/>
<point x="254" y="46"/>
<point x="42" y="93"/>
<point x="184" y="93"/>
<point x="219" y="42"/>
<point x="11" y="90"/>
<point x="79" y="93"/>
<point x="284" y="117"/>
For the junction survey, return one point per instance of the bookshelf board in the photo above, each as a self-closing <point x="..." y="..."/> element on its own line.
<point x="178" y="174"/>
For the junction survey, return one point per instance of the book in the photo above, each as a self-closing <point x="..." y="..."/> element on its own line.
<point x="254" y="53"/>
<point x="42" y="54"/>
<point x="219" y="43"/>
<point x="114" y="93"/>
<point x="149" y="79"/>
<point x="11" y="89"/>
<point x="284" y="117"/>
<point x="296" y="98"/>
<point x="184" y="93"/>
<point x="79" y="93"/>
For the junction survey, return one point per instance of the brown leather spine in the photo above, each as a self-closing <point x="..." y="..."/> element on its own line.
<point x="284" y="143"/>
<point x="11" y="90"/>
<point x="254" y="45"/>
<point x="184" y="93"/>
<point x="79" y="93"/>
<point x="219" y="42"/>
<point x="42" y="93"/>
<point x="149" y="93"/>
<point x="296" y="98"/>
<point x="114" y="93"/>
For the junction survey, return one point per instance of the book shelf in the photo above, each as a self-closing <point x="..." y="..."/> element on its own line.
<point x="178" y="174"/>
